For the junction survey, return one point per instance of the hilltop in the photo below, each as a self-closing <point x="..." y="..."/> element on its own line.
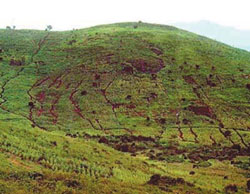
<point x="122" y="108"/>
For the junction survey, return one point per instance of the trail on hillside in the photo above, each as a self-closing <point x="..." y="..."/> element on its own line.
<point x="77" y="109"/>
<point x="3" y="87"/>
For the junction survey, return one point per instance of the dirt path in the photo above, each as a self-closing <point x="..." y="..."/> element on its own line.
<point x="194" y="134"/>
<point x="213" y="140"/>
<point x="4" y="85"/>
<point x="77" y="109"/>
<point x="114" y="106"/>
<point x="13" y="160"/>
<point x="40" y="44"/>
<point x="179" y="126"/>
<point x="241" y="138"/>
<point x="53" y="107"/>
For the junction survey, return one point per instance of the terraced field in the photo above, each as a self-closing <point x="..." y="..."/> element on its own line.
<point x="123" y="108"/>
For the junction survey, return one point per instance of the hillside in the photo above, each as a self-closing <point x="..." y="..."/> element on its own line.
<point x="122" y="108"/>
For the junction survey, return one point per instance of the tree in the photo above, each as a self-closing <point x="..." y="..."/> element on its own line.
<point x="9" y="27"/>
<point x="135" y="26"/>
<point x="49" y="28"/>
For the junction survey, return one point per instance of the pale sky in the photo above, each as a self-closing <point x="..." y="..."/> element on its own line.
<point x="69" y="14"/>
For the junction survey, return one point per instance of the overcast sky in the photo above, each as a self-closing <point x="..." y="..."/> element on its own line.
<point x="69" y="14"/>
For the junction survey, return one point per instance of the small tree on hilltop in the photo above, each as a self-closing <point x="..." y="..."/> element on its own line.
<point x="9" y="27"/>
<point x="135" y="26"/>
<point x="49" y="28"/>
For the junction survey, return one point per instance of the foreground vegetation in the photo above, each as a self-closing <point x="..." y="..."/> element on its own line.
<point x="123" y="108"/>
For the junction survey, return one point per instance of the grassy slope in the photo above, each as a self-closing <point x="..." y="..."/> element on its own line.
<point x="74" y="88"/>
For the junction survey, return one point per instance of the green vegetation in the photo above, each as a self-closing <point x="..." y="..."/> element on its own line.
<point x="122" y="108"/>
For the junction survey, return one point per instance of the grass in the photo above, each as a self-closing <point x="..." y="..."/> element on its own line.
<point x="102" y="109"/>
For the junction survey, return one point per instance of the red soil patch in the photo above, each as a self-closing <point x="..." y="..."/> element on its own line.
<point x="173" y="111"/>
<point x="220" y="153"/>
<point x="151" y="97"/>
<point x="135" y="113"/>
<point x="156" y="51"/>
<point x="248" y="86"/>
<point x="14" y="62"/>
<point x="189" y="79"/>
<point x="67" y="86"/>
<point x="202" y="110"/>
<point x="52" y="109"/>
<point x="131" y="106"/>
<point x="210" y="83"/>
<point x="83" y="93"/>
<point x="162" y="121"/>
<point x="153" y="66"/>
<point x="40" y="112"/>
<point x="97" y="77"/>
<point x="165" y="181"/>
<point x="116" y="105"/>
<point x="128" y="69"/>
<point x="108" y="58"/>
<point x="94" y="84"/>
<point x="41" y="96"/>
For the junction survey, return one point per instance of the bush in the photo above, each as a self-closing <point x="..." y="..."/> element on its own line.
<point x="203" y="164"/>
<point x="231" y="189"/>
<point x="175" y="158"/>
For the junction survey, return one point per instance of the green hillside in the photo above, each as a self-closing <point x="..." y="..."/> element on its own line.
<point x="123" y="108"/>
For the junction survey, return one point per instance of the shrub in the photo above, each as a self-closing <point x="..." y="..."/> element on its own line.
<point x="231" y="189"/>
